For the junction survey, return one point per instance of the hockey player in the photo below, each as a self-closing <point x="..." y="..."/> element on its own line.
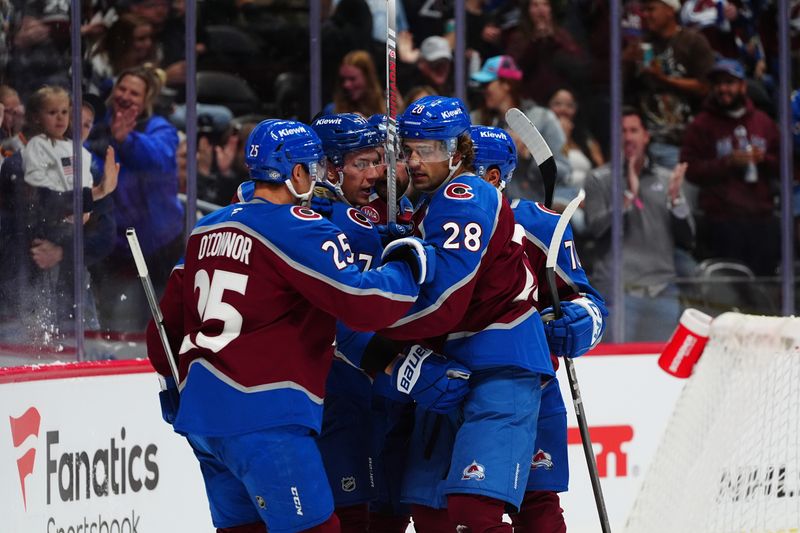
<point x="476" y="310"/>
<point x="576" y="332"/>
<point x="353" y="148"/>
<point x="376" y="210"/>
<point x="251" y="314"/>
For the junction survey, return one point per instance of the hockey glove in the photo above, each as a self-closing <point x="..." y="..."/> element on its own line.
<point x="170" y="400"/>
<point x="383" y="386"/>
<point x="323" y="206"/>
<point x="577" y="331"/>
<point x="417" y="254"/>
<point x="393" y="231"/>
<point x="434" y="382"/>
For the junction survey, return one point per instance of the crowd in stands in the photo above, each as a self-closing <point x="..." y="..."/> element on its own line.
<point x="701" y="146"/>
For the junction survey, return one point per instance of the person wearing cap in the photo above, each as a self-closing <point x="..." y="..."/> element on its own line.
<point x="668" y="88"/>
<point x="500" y="79"/>
<point x="726" y="139"/>
<point x="434" y="66"/>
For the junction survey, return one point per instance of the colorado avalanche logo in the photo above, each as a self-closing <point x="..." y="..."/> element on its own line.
<point x="458" y="191"/>
<point x="305" y="213"/>
<point x="541" y="459"/>
<point x="371" y="213"/>
<point x="359" y="218"/>
<point x="474" y="471"/>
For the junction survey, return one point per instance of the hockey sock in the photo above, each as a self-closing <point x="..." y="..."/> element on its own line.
<point x="480" y="514"/>
<point x="256" y="527"/>
<point x="387" y="523"/>
<point x="431" y="520"/>
<point x="331" y="525"/>
<point x="540" y="512"/>
<point x="353" y="518"/>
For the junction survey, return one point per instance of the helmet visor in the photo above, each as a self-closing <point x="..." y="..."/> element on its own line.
<point x="425" y="151"/>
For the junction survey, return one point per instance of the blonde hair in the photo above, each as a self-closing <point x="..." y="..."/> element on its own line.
<point x="36" y="103"/>
<point x="373" y="100"/>
<point x="154" y="79"/>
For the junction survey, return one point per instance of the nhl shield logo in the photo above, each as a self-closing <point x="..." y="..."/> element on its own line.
<point x="349" y="484"/>
<point x="261" y="503"/>
<point x="541" y="459"/>
<point x="474" y="471"/>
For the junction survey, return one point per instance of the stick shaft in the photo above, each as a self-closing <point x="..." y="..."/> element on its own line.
<point x="152" y="299"/>
<point x="391" y="111"/>
<point x="569" y="365"/>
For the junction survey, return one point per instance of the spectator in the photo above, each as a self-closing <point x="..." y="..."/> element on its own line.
<point x="13" y="119"/>
<point x="357" y="89"/>
<point x="221" y="166"/>
<point x="715" y="20"/>
<point x="656" y="219"/>
<point x="42" y="222"/>
<point x="405" y="41"/>
<point x="500" y="80"/>
<point x="434" y="67"/>
<point x="348" y="29"/>
<point x="427" y="18"/>
<point x="127" y="44"/>
<point x="146" y="198"/>
<point x="583" y="154"/>
<point x="546" y="53"/>
<point x="668" y="87"/>
<point x="581" y="148"/>
<point x="39" y="52"/>
<point x="485" y="23"/>
<point x="732" y="149"/>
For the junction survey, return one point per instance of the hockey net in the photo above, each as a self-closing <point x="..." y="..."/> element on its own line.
<point x="729" y="460"/>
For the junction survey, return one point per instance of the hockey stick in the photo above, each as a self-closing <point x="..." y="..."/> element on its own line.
<point x="150" y="293"/>
<point x="532" y="139"/>
<point x="543" y="157"/>
<point x="391" y="111"/>
<point x="569" y="364"/>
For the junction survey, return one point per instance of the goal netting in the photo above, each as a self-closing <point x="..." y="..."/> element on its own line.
<point x="729" y="461"/>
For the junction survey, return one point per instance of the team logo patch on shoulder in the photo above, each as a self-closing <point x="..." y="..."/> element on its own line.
<point x="474" y="471"/>
<point x="371" y="213"/>
<point x="359" y="218"/>
<point x="542" y="459"/>
<point x="546" y="210"/>
<point x="305" y="213"/>
<point x="458" y="191"/>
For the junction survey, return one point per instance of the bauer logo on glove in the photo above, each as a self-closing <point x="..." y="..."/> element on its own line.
<point x="433" y="381"/>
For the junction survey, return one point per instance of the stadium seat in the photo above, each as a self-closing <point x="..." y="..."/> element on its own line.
<point x="223" y="88"/>
<point x="730" y="285"/>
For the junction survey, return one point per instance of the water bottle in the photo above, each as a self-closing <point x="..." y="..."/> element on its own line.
<point x="751" y="173"/>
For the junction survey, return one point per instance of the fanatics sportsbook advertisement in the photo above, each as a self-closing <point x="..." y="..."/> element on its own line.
<point x="91" y="455"/>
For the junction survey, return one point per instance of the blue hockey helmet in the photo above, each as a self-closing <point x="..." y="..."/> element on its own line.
<point x="380" y="122"/>
<point x="494" y="147"/>
<point x="343" y="133"/>
<point x="275" y="146"/>
<point x="434" y="117"/>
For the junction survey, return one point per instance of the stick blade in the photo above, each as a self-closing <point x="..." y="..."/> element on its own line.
<point x="541" y="153"/>
<point x="529" y="135"/>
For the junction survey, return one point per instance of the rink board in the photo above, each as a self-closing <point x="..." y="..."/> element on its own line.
<point x="59" y="418"/>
